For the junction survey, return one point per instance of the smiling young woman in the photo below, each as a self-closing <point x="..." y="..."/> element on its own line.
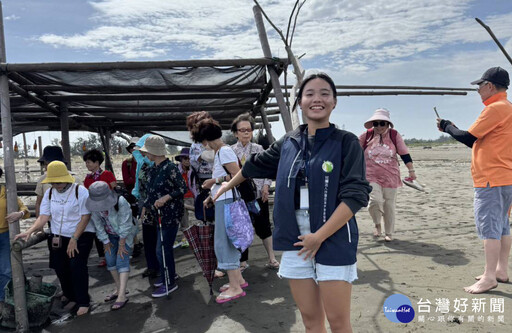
<point x="315" y="225"/>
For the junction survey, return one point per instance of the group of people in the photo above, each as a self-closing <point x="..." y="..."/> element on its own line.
<point x="323" y="177"/>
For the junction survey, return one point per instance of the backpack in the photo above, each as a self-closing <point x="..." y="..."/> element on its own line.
<point x="370" y="133"/>
<point x="130" y="198"/>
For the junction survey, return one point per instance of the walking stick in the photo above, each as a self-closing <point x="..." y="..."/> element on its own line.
<point x="486" y="27"/>
<point x="166" y="272"/>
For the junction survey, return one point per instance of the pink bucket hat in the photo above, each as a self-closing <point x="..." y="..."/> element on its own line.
<point x="379" y="114"/>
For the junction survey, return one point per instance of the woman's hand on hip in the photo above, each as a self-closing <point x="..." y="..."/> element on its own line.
<point x="310" y="244"/>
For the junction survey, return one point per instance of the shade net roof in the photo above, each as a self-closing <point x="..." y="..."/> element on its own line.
<point x="135" y="97"/>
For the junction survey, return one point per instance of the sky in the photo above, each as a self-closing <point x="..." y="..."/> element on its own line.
<point x="373" y="42"/>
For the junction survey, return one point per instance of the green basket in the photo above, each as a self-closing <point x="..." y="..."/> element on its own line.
<point x="39" y="305"/>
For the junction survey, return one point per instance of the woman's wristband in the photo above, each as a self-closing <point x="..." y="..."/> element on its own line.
<point x="411" y="170"/>
<point x="75" y="238"/>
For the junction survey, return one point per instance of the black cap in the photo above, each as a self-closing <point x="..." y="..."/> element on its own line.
<point x="52" y="153"/>
<point x="495" y="75"/>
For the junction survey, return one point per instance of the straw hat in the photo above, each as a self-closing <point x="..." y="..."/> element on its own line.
<point x="154" y="145"/>
<point x="57" y="173"/>
<point x="379" y="114"/>
<point x="101" y="197"/>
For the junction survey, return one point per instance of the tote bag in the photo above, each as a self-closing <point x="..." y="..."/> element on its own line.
<point x="238" y="223"/>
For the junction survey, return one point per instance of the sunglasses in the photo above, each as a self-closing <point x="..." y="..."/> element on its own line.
<point x="379" y="123"/>
<point x="244" y="130"/>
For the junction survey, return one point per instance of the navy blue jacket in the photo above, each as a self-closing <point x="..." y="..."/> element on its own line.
<point x="345" y="183"/>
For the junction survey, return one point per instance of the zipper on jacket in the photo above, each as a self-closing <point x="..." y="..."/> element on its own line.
<point x="348" y="229"/>
<point x="291" y="168"/>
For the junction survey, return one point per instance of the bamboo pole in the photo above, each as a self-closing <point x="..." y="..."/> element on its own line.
<point x="213" y="109"/>
<point x="147" y="96"/>
<point x="134" y="88"/>
<point x="96" y="66"/>
<point x="274" y="78"/>
<point x="18" y="276"/>
<point x="64" y="132"/>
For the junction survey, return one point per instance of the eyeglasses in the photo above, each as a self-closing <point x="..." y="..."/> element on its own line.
<point x="481" y="85"/>
<point x="380" y="123"/>
<point x="244" y="130"/>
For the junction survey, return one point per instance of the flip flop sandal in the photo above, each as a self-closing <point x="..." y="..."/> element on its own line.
<point x="219" y="274"/>
<point x="118" y="305"/>
<point x="225" y="298"/>
<point x="226" y="286"/>
<point x="113" y="297"/>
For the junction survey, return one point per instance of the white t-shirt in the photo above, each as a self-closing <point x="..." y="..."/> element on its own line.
<point x="227" y="155"/>
<point x="66" y="204"/>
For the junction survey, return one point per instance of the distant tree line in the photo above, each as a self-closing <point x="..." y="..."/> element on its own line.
<point x="443" y="139"/>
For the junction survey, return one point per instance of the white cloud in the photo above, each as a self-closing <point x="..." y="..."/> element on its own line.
<point x="12" y="17"/>
<point x="348" y="35"/>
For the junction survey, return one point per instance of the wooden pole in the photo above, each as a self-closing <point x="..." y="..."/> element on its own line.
<point x="266" y="124"/>
<point x="18" y="276"/>
<point x="25" y="160"/>
<point x="40" y="146"/>
<point x="64" y="132"/>
<point x="274" y="78"/>
<point x="105" y="142"/>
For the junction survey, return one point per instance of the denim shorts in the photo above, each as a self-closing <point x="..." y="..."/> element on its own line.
<point x="491" y="211"/>
<point x="294" y="266"/>
<point x="228" y="256"/>
<point x="114" y="261"/>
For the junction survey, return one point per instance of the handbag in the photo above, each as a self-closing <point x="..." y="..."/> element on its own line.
<point x="247" y="188"/>
<point x="201" y="213"/>
<point x="238" y="223"/>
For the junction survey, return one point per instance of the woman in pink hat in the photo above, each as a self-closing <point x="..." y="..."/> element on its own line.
<point x="381" y="144"/>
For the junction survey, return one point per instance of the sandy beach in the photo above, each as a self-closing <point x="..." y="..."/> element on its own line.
<point x="434" y="255"/>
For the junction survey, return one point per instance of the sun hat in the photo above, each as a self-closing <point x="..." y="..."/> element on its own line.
<point x="154" y="145"/>
<point x="495" y="75"/>
<point x="101" y="197"/>
<point x="132" y="144"/>
<point x="57" y="172"/>
<point x="379" y="114"/>
<point x="185" y="152"/>
<point x="51" y="153"/>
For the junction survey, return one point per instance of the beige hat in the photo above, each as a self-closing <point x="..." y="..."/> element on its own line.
<point x="154" y="145"/>
<point x="379" y="114"/>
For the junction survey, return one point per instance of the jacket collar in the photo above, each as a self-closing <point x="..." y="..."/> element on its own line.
<point x="321" y="134"/>
<point x="496" y="97"/>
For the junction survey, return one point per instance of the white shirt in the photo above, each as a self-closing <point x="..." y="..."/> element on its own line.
<point x="227" y="155"/>
<point x="66" y="210"/>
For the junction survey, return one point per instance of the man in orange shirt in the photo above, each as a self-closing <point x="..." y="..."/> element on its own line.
<point x="490" y="137"/>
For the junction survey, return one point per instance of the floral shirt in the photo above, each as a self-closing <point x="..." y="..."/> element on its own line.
<point x="143" y="178"/>
<point x="164" y="179"/>
<point x="243" y="154"/>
